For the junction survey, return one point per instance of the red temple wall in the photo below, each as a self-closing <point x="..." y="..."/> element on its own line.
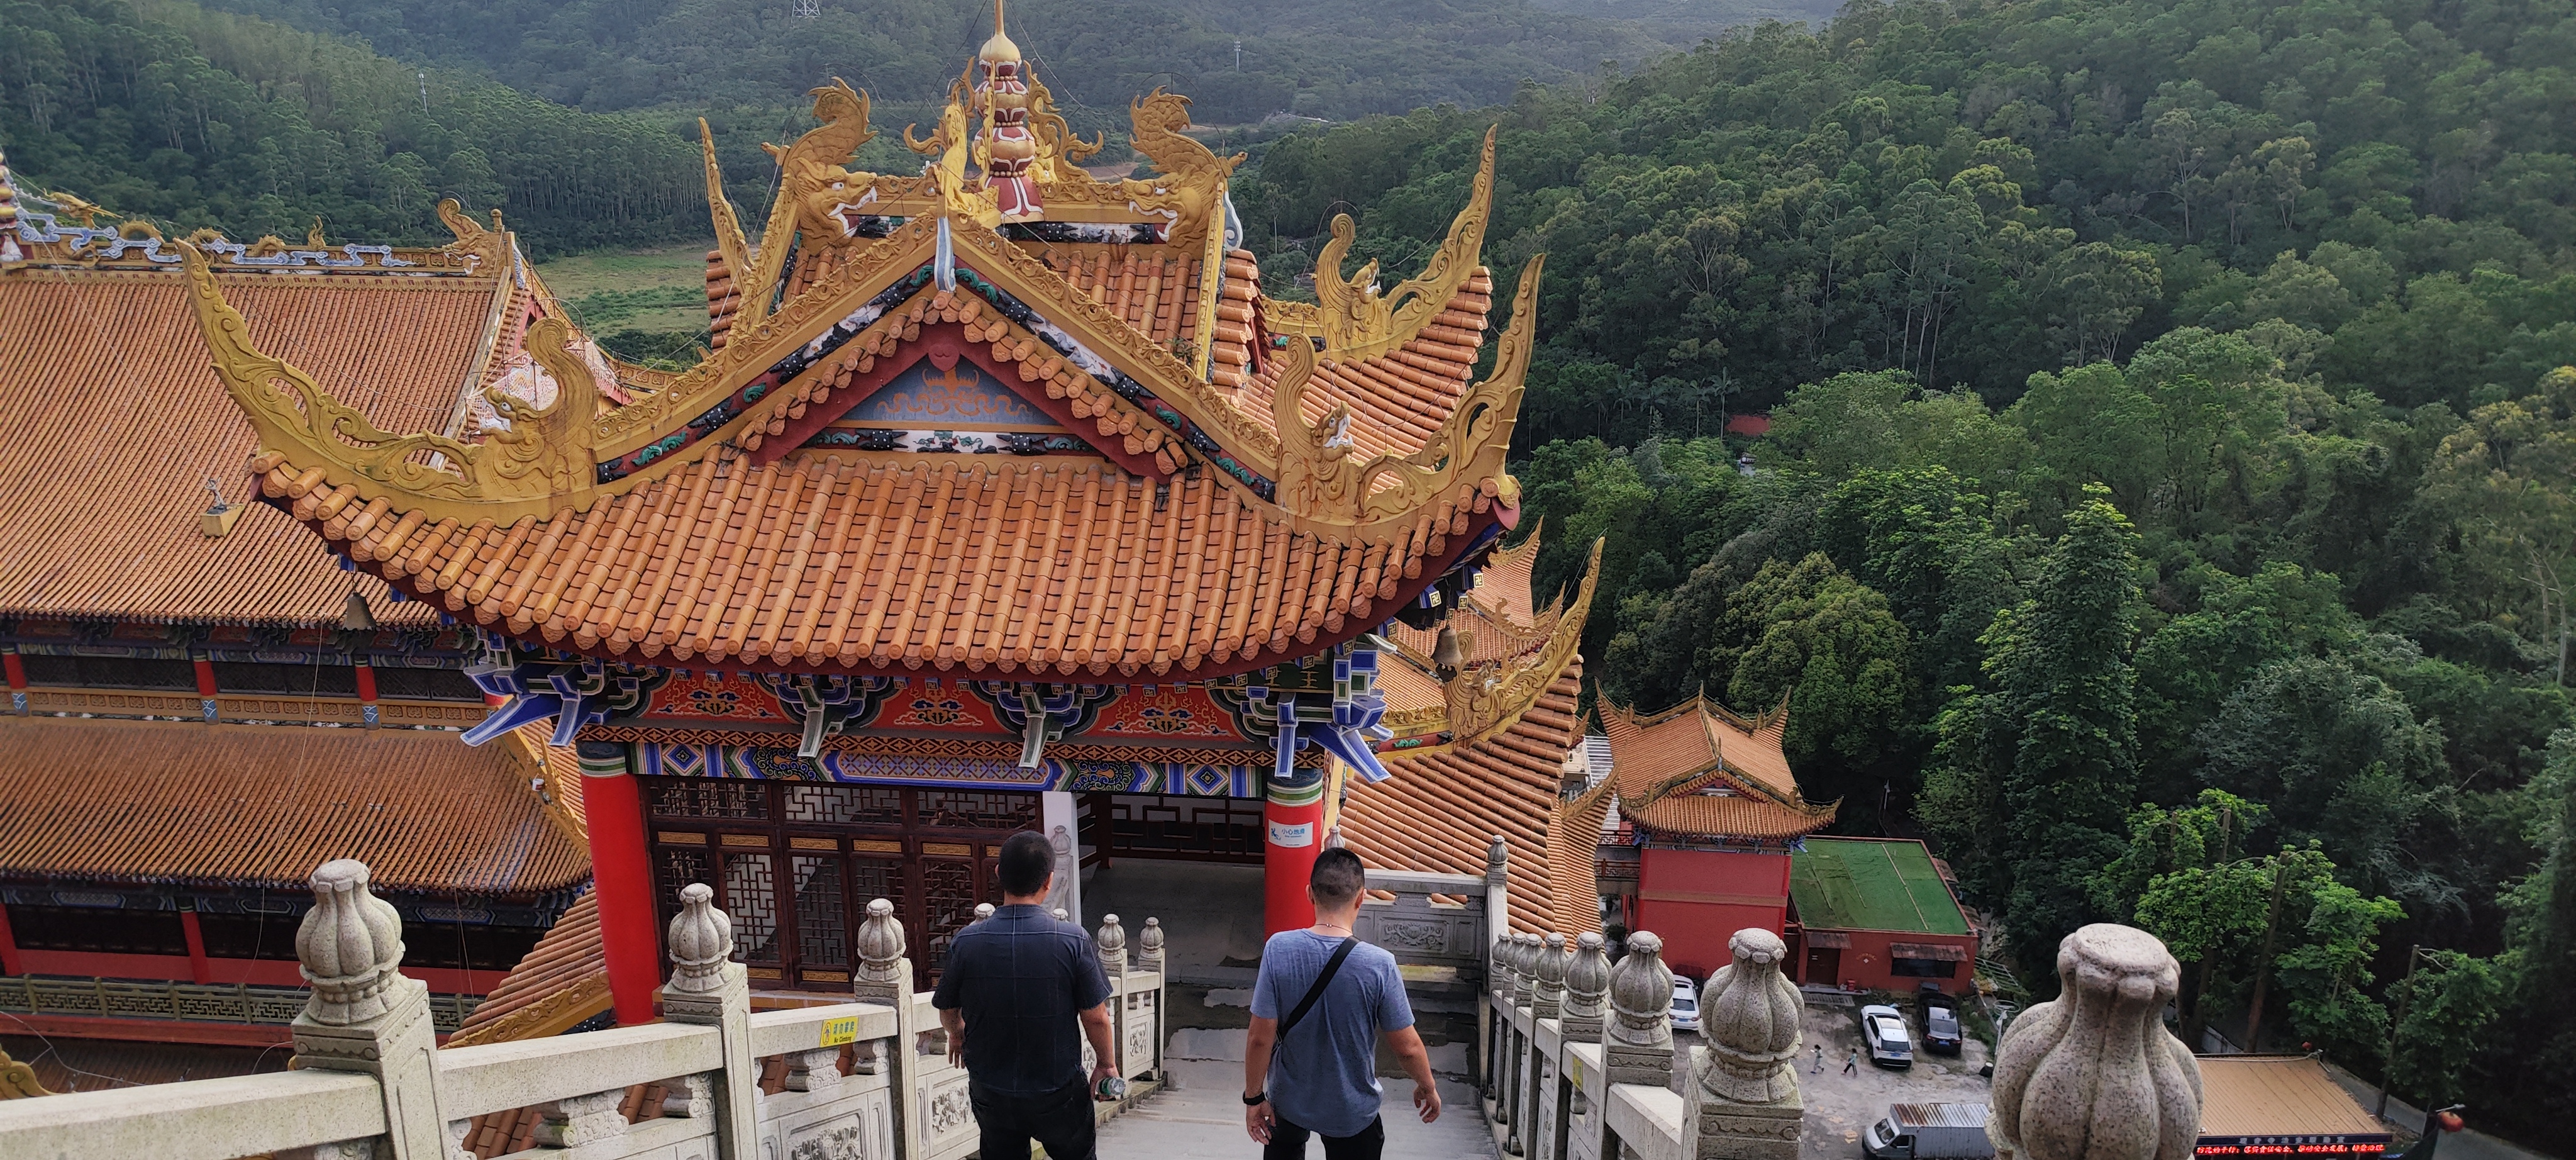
<point x="1697" y="899"/>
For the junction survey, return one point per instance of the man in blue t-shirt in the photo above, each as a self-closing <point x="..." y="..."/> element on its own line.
<point x="1021" y="990"/>
<point x="1322" y="1077"/>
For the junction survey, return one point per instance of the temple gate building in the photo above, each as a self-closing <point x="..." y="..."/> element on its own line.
<point x="1006" y="501"/>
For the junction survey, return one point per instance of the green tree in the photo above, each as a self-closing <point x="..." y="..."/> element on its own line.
<point x="2338" y="758"/>
<point x="2050" y="747"/>
<point x="2508" y="481"/>
<point x="1808" y="635"/>
<point x="2451" y="1003"/>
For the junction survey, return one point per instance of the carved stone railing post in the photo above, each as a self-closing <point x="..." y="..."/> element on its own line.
<point x="707" y="987"/>
<point x="1547" y="995"/>
<point x="885" y="976"/>
<point x="364" y="1015"/>
<point x="2093" y="1074"/>
<point x="1149" y="946"/>
<point x="1637" y="1044"/>
<point x="983" y="910"/>
<point x="1587" y="983"/>
<point x="1744" y="1102"/>
<point x="1524" y="969"/>
<point x="1113" y="946"/>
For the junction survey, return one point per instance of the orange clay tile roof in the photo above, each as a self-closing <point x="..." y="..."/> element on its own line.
<point x="1442" y="806"/>
<point x="187" y="803"/>
<point x="1152" y="288"/>
<point x="1698" y="770"/>
<point x="560" y="982"/>
<point x="119" y="423"/>
<point x="1399" y="399"/>
<point x="1043" y="563"/>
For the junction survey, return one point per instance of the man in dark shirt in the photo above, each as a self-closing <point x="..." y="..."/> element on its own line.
<point x="1016" y="988"/>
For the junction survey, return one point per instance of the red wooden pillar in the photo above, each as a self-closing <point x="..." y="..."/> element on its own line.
<point x="200" y="968"/>
<point x="206" y="689"/>
<point x="366" y="674"/>
<point x="1292" y="817"/>
<point x="10" y="963"/>
<point x="621" y="871"/>
<point x="16" y="671"/>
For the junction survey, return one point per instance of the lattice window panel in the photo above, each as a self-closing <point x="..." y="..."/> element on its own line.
<point x="694" y="797"/>
<point x="822" y="935"/>
<point x="673" y="869"/>
<point x="751" y="898"/>
<point x="948" y="897"/>
<point x="978" y="809"/>
<point x="861" y="805"/>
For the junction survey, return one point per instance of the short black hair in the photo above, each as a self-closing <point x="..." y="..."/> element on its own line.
<point x="1338" y="877"/>
<point x="1026" y="860"/>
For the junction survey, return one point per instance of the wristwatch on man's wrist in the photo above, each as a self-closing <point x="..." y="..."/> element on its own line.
<point x="1256" y="1099"/>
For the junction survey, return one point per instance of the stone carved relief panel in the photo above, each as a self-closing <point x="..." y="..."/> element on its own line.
<point x="859" y="1129"/>
<point x="944" y="1107"/>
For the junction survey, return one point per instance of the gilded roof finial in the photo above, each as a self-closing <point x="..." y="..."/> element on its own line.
<point x="999" y="49"/>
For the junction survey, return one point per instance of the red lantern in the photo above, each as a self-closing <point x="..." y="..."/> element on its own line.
<point x="2451" y="1121"/>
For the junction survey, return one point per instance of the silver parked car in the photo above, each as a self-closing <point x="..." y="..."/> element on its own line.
<point x="1685" y="1005"/>
<point x="1890" y="1044"/>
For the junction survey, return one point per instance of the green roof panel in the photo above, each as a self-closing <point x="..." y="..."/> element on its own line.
<point x="1856" y="884"/>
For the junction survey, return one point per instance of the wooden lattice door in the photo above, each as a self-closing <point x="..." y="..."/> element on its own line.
<point x="796" y="864"/>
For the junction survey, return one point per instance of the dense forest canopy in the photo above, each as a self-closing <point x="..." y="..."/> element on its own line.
<point x="2169" y="498"/>
<point x="1317" y="58"/>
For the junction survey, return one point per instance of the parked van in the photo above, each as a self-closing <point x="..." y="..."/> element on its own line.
<point x="1929" y="1132"/>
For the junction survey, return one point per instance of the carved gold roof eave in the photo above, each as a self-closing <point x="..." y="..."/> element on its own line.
<point x="1479" y="708"/>
<point x="552" y="1015"/>
<point x="442" y="477"/>
<point x="1476" y="713"/>
<point x="1357" y="323"/>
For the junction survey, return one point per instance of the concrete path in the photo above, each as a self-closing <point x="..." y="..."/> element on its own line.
<point x="1198" y="1115"/>
<point x="2466" y="1144"/>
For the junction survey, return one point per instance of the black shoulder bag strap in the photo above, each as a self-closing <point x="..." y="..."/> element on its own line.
<point x="1323" y="979"/>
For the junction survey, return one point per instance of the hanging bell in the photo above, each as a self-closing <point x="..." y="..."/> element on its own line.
<point x="1446" y="656"/>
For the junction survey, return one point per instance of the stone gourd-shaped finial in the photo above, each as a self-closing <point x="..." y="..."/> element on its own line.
<point x="1547" y="994"/>
<point x="2093" y="1074"/>
<point x="1113" y="946"/>
<point x="1498" y="967"/>
<point x="701" y="941"/>
<point x="1638" y="1041"/>
<point x="1750" y="1014"/>
<point x="983" y="910"/>
<point x="1587" y="983"/>
<point x="1524" y="969"/>
<point x="1061" y="914"/>
<point x="1149" y="946"/>
<point x="1498" y="859"/>
<point x="350" y="945"/>
<point x="880" y="945"/>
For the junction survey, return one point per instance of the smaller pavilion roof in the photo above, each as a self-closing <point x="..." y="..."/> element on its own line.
<point x="1872" y="884"/>
<point x="1698" y="770"/>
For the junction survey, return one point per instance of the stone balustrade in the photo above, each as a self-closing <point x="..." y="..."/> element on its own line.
<point x="864" y="1080"/>
<point x="1577" y="1055"/>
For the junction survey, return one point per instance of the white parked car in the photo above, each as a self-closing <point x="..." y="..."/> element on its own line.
<point x="1890" y="1045"/>
<point x="1685" y="1005"/>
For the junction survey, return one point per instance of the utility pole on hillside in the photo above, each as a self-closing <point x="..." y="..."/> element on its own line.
<point x="1238" y="67"/>
<point x="424" y="93"/>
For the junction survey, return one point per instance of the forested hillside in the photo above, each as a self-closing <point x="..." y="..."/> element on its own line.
<point x="1319" y="58"/>
<point x="195" y="118"/>
<point x="2169" y="494"/>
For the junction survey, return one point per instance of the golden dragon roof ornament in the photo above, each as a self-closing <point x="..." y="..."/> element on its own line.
<point x="1355" y="320"/>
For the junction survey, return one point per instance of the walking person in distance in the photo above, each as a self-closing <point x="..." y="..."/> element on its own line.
<point x="1016" y="987"/>
<point x="1319" y="1006"/>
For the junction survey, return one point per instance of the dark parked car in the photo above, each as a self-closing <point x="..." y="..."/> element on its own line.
<point x="1940" y="1018"/>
